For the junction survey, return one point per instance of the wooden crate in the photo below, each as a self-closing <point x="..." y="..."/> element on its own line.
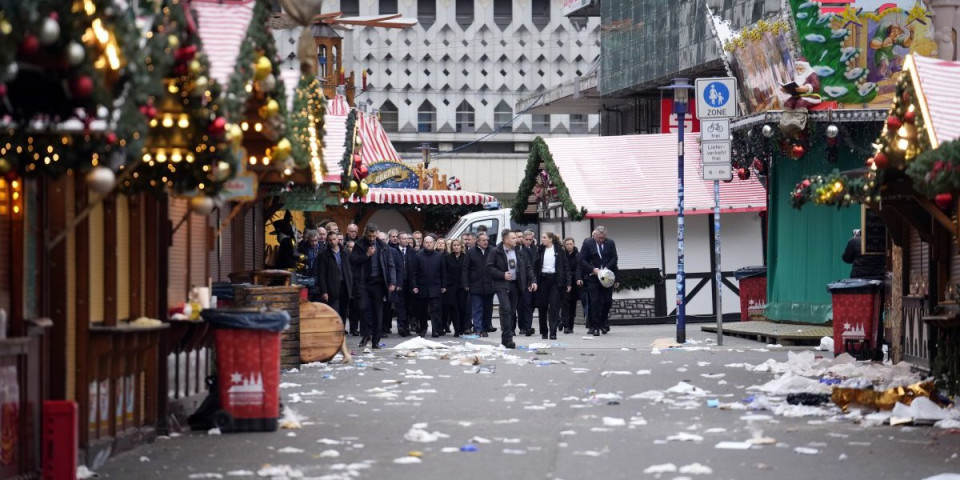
<point x="281" y="298"/>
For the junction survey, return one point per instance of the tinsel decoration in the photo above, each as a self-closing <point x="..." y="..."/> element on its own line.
<point x="306" y="126"/>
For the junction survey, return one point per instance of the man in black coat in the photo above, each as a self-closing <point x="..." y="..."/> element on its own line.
<point x="596" y="253"/>
<point x="399" y="272"/>
<point x="570" y="300"/>
<point x="510" y="272"/>
<point x="871" y="267"/>
<point x="374" y="263"/>
<point x="528" y="246"/>
<point x="479" y="286"/>
<point x="429" y="276"/>
<point x="335" y="277"/>
<point x="553" y="280"/>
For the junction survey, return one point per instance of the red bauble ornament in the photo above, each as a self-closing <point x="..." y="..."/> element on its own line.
<point x="910" y="117"/>
<point x="217" y="127"/>
<point x="361" y="172"/>
<point x="357" y="161"/>
<point x="111" y="138"/>
<point x="185" y="54"/>
<point x="30" y="46"/>
<point x="81" y="87"/>
<point x="880" y="160"/>
<point x="905" y="97"/>
<point x="3" y="90"/>
<point x="893" y="123"/>
<point x="943" y="200"/>
<point x="797" y="151"/>
<point x="743" y="173"/>
<point x="805" y="183"/>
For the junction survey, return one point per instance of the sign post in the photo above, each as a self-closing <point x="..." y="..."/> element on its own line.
<point x="716" y="105"/>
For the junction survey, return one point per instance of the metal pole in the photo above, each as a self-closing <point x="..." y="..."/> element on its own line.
<point x="716" y="251"/>
<point x="681" y="280"/>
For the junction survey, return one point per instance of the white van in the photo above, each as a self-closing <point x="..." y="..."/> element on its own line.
<point x="494" y="221"/>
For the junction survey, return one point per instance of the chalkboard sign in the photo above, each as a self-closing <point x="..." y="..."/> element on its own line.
<point x="873" y="234"/>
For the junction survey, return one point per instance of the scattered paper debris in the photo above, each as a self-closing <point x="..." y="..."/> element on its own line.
<point x="806" y="450"/>
<point x="662" y="468"/>
<point x="733" y="445"/>
<point x="290" y="450"/>
<point x="213" y="431"/>
<point x="614" y="422"/>
<point x="84" y="473"/>
<point x="329" y="454"/>
<point x="685" y="437"/>
<point x="696" y="469"/>
<point x="407" y="460"/>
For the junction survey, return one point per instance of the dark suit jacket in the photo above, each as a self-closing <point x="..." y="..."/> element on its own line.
<point x="360" y="259"/>
<point x="564" y="277"/>
<point x="329" y="276"/>
<point x="590" y="258"/>
<point x="475" y="271"/>
<point x="497" y="267"/>
<point x="429" y="274"/>
<point x="399" y="271"/>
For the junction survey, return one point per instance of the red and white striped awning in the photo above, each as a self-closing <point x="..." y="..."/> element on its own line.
<point x="408" y="196"/>
<point x="338" y="106"/>
<point x="636" y="176"/>
<point x="222" y="27"/>
<point x="376" y="145"/>
<point x="936" y="82"/>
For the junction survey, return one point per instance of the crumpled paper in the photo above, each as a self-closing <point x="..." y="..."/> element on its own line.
<point x="882" y="400"/>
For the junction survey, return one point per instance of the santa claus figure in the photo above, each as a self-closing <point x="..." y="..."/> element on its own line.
<point x="803" y="90"/>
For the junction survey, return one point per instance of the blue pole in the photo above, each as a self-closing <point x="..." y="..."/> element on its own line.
<point x="718" y="279"/>
<point x="681" y="280"/>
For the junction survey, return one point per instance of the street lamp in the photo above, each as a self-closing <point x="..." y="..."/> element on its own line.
<point x="680" y="87"/>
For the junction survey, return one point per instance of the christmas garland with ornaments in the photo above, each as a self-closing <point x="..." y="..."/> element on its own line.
<point x="306" y="126"/>
<point x="835" y="189"/>
<point x="352" y="181"/>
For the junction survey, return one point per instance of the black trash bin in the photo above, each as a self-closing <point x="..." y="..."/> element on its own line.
<point x="856" y="307"/>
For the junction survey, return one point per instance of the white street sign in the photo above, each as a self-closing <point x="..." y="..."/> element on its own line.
<point x="717" y="172"/>
<point x="716" y="98"/>
<point x="715" y="129"/>
<point x="715" y="152"/>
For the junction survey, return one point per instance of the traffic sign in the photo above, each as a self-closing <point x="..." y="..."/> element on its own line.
<point x="717" y="172"/>
<point x="715" y="152"/>
<point x="716" y="97"/>
<point x="717" y="129"/>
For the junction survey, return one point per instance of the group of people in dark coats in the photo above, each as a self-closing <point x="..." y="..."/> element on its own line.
<point x="375" y="277"/>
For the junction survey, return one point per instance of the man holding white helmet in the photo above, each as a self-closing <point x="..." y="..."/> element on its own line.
<point x="598" y="255"/>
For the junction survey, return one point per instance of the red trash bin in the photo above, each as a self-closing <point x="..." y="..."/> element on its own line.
<point x="856" y="305"/>
<point x="247" y="345"/>
<point x="753" y="289"/>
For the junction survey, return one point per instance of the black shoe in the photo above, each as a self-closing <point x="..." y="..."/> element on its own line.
<point x="484" y="334"/>
<point x="384" y="335"/>
<point x="529" y="332"/>
<point x="553" y="337"/>
<point x="456" y="334"/>
<point x="510" y="345"/>
<point x="543" y="336"/>
<point x="567" y="330"/>
<point x="605" y="330"/>
<point x="492" y="329"/>
<point x="363" y="342"/>
<point x="404" y="333"/>
<point x="596" y="333"/>
<point x="377" y="346"/>
<point x="355" y="334"/>
<point x="435" y="335"/>
<point x="422" y="334"/>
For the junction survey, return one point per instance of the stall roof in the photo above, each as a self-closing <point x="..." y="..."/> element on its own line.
<point x="409" y="196"/>
<point x="377" y="146"/>
<point x="937" y="82"/>
<point x="222" y="28"/>
<point x="636" y="176"/>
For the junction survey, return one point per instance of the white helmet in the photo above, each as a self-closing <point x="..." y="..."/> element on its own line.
<point x="607" y="277"/>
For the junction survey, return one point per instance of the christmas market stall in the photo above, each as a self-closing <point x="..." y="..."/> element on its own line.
<point x="637" y="202"/>
<point x="815" y="82"/>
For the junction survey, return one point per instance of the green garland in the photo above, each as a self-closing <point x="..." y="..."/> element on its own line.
<point x="540" y="153"/>
<point x="903" y="117"/>
<point x="937" y="171"/>
<point x="346" y="162"/>
<point x="639" y="279"/>
<point x="836" y="189"/>
<point x="257" y="40"/>
<point x="309" y="101"/>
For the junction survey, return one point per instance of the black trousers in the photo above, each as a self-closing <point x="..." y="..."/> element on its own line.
<point x="372" y="299"/>
<point x="355" y="310"/>
<point x="430" y="309"/>
<point x="453" y="310"/>
<point x="508" y="297"/>
<point x="549" y="301"/>
<point x="601" y="299"/>
<point x="340" y="303"/>
<point x="525" y="310"/>
<point x="569" y="308"/>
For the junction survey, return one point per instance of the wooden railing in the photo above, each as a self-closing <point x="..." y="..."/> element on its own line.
<point x="188" y="362"/>
<point x="119" y="392"/>
<point x="23" y="389"/>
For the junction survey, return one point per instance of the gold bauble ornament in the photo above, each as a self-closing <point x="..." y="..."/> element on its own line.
<point x="202" y="205"/>
<point x="223" y="170"/>
<point x="354" y="186"/>
<point x="234" y="134"/>
<point x="272" y="108"/>
<point x="364" y="189"/>
<point x="262" y="68"/>
<point x="195" y="67"/>
<point x="282" y="150"/>
<point x="200" y="85"/>
<point x="173" y="41"/>
<point x="5" y="165"/>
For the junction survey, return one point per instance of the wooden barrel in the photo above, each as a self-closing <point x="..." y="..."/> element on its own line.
<point x="282" y="298"/>
<point x="321" y="332"/>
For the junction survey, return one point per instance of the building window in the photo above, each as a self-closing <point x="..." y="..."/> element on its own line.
<point x="502" y="13"/>
<point x="389" y="117"/>
<point x="426" y="117"/>
<point x="503" y="116"/>
<point x="350" y="8"/>
<point x="426" y="13"/>
<point x="465" y="13"/>
<point x="541" y="13"/>
<point x="578" y="123"/>
<point x="465" y="117"/>
<point x="541" y="123"/>
<point x="388" y="7"/>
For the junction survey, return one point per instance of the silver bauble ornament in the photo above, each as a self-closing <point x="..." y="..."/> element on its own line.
<point x="75" y="54"/>
<point x="101" y="179"/>
<point x="268" y="84"/>
<point x="49" y="31"/>
<point x="832" y="131"/>
<point x="11" y="72"/>
<point x="202" y="205"/>
<point x="767" y="131"/>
